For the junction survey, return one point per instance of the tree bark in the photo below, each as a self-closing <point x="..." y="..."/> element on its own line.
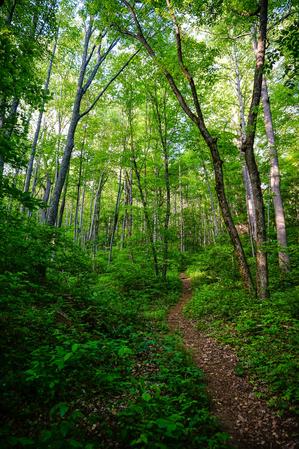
<point x="78" y="189"/>
<point x="182" y="231"/>
<point x="164" y="144"/>
<point x="116" y="215"/>
<point x="81" y="220"/>
<point x="283" y="258"/>
<point x="246" y="178"/>
<point x="95" y="222"/>
<point x="149" y="226"/>
<point x="46" y="197"/>
<point x="62" y="206"/>
<point x="262" y="280"/>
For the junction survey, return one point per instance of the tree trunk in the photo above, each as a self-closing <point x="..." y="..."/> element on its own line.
<point x="116" y="214"/>
<point x="62" y="206"/>
<point x="82" y="87"/>
<point x="95" y="222"/>
<point x="283" y="258"/>
<point x="64" y="166"/>
<point x="10" y="120"/>
<point x="46" y="197"/>
<point x="78" y="191"/>
<point x="246" y="178"/>
<point x="210" y="141"/>
<point x="80" y="233"/>
<point x="163" y="139"/>
<point x="149" y="226"/>
<point x="39" y="120"/>
<point x="182" y="232"/>
<point x="211" y="196"/>
<point x="262" y="280"/>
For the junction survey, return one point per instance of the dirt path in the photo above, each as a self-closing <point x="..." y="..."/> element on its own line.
<point x="249" y="421"/>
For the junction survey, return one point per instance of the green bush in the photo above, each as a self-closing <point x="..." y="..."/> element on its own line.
<point x="85" y="360"/>
<point x="265" y="333"/>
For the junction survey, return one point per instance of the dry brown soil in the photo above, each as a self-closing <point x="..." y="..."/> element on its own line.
<point x="246" y="418"/>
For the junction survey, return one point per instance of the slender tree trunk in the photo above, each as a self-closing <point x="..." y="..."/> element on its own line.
<point x="130" y="201"/>
<point x="39" y="121"/>
<point x="211" y="196"/>
<point x="163" y="138"/>
<point x="167" y="213"/>
<point x="80" y="233"/>
<point x="182" y="232"/>
<point x="78" y="191"/>
<point x="35" y="176"/>
<point x="283" y="258"/>
<point x="64" y="166"/>
<point x="46" y="197"/>
<point x="82" y="87"/>
<point x="62" y="206"/>
<point x="116" y="215"/>
<point x="95" y="221"/>
<point x="149" y="226"/>
<point x="9" y="123"/>
<point x="262" y="280"/>
<point x="246" y="177"/>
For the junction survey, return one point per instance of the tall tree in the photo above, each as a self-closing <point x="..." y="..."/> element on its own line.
<point x="283" y="258"/>
<point x="198" y="120"/>
<point x="85" y="79"/>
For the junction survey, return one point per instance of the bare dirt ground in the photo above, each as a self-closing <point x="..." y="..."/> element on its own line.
<point x="247" y="419"/>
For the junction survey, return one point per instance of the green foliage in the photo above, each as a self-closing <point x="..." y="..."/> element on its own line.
<point x="265" y="333"/>
<point x="85" y="359"/>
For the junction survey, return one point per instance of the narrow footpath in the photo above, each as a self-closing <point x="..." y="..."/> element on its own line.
<point x="247" y="419"/>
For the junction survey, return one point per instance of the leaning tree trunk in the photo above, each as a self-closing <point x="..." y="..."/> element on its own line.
<point x="246" y="178"/>
<point x="262" y="280"/>
<point x="283" y="258"/>
<point x="83" y="85"/>
<point x="62" y="206"/>
<point x="198" y="119"/>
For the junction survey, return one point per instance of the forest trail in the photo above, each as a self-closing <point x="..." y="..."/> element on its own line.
<point x="249" y="421"/>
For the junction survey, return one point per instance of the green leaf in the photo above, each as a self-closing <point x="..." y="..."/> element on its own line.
<point x="63" y="408"/>
<point x="124" y="350"/>
<point x="146" y="397"/>
<point x="67" y="356"/>
<point x="46" y="435"/>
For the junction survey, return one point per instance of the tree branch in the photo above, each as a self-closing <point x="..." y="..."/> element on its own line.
<point x="101" y="59"/>
<point x="108" y="84"/>
<point x="140" y="36"/>
<point x="258" y="77"/>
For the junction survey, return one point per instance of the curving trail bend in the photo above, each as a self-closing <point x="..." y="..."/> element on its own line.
<point x="247" y="419"/>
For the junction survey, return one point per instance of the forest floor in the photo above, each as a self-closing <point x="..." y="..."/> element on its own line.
<point x="246" y="418"/>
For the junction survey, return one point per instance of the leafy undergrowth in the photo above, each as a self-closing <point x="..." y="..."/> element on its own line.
<point x="86" y="359"/>
<point x="265" y="333"/>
